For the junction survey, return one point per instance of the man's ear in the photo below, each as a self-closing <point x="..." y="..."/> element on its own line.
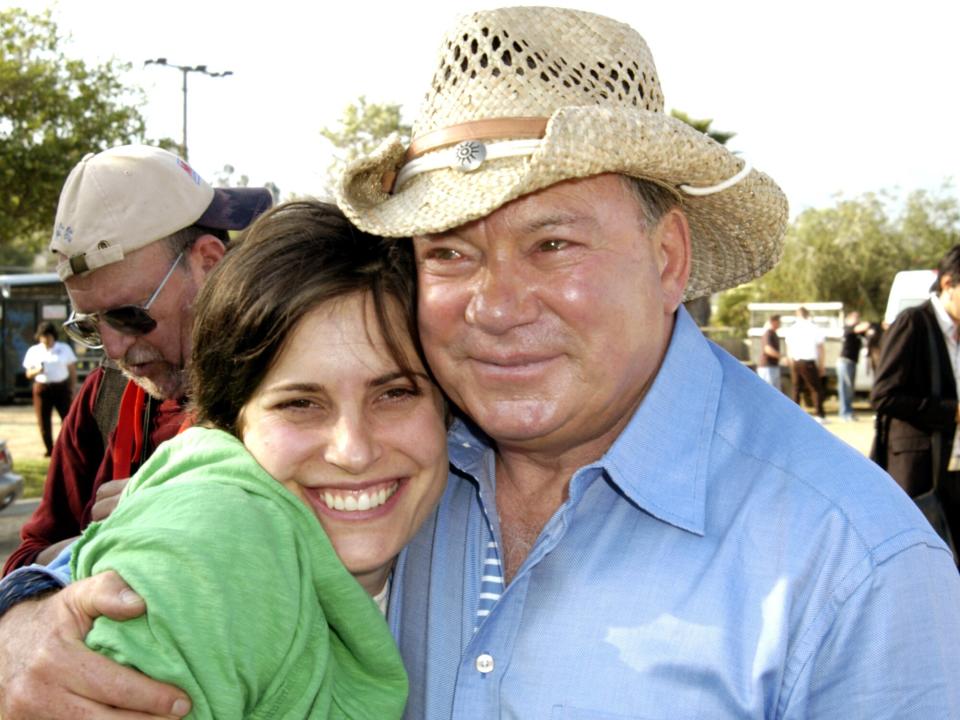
<point x="671" y="239"/>
<point x="205" y="253"/>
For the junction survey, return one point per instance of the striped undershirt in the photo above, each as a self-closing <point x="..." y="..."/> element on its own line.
<point x="491" y="582"/>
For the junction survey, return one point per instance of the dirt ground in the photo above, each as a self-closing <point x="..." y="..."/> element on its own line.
<point x="18" y="426"/>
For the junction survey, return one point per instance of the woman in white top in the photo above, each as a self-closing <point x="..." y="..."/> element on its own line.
<point x="52" y="367"/>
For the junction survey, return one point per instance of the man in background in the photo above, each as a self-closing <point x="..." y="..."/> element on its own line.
<point x="136" y="232"/>
<point x="853" y="333"/>
<point x="768" y="367"/>
<point x="806" y="352"/>
<point x="52" y="365"/>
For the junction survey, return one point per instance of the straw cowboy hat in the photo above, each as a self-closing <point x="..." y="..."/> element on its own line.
<point x="527" y="97"/>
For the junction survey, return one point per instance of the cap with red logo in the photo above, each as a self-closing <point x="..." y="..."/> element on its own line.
<point x="127" y="197"/>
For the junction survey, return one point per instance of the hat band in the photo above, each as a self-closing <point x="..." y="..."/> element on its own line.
<point x="530" y="128"/>
<point x="466" y="157"/>
<point x="473" y="146"/>
<point x="490" y="129"/>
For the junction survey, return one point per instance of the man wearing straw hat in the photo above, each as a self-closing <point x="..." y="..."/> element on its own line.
<point x="673" y="537"/>
<point x="636" y="526"/>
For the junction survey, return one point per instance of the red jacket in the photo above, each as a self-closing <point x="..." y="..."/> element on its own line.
<point x="79" y="465"/>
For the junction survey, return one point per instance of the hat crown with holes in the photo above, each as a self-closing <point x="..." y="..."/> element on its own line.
<point x="523" y="98"/>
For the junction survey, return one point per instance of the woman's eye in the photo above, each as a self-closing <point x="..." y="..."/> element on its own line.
<point x="399" y="393"/>
<point x="296" y="404"/>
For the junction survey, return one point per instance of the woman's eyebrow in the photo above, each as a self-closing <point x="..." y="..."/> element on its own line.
<point x="297" y="387"/>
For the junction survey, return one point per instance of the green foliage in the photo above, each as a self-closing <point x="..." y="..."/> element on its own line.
<point x="361" y="128"/>
<point x="34" y="475"/>
<point x="732" y="308"/>
<point x="851" y="251"/>
<point x="53" y="111"/>
<point x="704" y="127"/>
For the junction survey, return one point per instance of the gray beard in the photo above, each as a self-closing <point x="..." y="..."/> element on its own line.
<point x="154" y="390"/>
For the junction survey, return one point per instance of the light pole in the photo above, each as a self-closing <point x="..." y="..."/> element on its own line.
<point x="184" y="69"/>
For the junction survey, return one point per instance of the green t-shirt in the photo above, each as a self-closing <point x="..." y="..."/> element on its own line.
<point x="249" y="610"/>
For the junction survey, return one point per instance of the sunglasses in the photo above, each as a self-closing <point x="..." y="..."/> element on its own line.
<point x="126" y="319"/>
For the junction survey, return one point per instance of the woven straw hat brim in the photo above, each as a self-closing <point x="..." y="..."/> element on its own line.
<point x="736" y="233"/>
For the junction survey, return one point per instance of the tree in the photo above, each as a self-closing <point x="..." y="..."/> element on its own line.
<point x="361" y="128"/>
<point x="851" y="251"/>
<point x="53" y="111"/>
<point x="703" y="126"/>
<point x="225" y="179"/>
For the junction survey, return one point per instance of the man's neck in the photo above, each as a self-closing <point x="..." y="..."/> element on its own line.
<point x="531" y="487"/>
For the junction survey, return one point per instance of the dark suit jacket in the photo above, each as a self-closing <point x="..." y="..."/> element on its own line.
<point x="902" y="393"/>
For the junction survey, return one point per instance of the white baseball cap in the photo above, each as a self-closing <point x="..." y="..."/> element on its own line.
<point x="127" y="197"/>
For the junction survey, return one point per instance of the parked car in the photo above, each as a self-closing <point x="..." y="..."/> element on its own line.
<point x="11" y="484"/>
<point x="909" y="288"/>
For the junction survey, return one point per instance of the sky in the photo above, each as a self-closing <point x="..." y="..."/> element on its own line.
<point x="828" y="98"/>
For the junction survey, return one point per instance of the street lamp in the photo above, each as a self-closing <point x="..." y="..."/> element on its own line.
<point x="184" y="69"/>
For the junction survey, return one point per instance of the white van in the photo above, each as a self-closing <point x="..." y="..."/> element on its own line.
<point x="909" y="288"/>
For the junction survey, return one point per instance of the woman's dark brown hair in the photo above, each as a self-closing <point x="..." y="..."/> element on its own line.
<point x="293" y="259"/>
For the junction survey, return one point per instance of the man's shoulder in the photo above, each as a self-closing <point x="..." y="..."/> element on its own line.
<point x="788" y="464"/>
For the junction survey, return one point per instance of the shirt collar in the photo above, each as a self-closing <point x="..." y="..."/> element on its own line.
<point x="947" y="326"/>
<point x="659" y="462"/>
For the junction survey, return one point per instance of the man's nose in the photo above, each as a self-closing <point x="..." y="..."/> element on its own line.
<point x="115" y="343"/>
<point x="503" y="298"/>
<point x="352" y="445"/>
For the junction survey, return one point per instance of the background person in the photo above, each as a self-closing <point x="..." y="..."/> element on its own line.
<point x="768" y="366"/>
<point x="52" y="365"/>
<point x="853" y="333"/>
<point x="136" y="232"/>
<point x="915" y="394"/>
<point x="806" y="352"/>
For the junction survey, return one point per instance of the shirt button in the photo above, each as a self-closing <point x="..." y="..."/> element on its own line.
<point x="485" y="663"/>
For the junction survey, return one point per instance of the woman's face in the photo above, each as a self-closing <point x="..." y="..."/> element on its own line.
<point x="337" y="423"/>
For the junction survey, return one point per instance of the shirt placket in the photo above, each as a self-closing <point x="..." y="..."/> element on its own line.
<point x="488" y="655"/>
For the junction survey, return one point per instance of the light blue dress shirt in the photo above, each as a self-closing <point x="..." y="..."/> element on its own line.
<point x="727" y="558"/>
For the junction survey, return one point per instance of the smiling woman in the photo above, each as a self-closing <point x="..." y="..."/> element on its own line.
<point x="318" y="433"/>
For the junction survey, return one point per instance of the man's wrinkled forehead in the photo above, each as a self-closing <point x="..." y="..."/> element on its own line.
<point x="555" y="207"/>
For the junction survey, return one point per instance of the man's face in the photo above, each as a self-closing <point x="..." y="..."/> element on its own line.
<point x="950" y="296"/>
<point x="154" y="361"/>
<point x="547" y="320"/>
